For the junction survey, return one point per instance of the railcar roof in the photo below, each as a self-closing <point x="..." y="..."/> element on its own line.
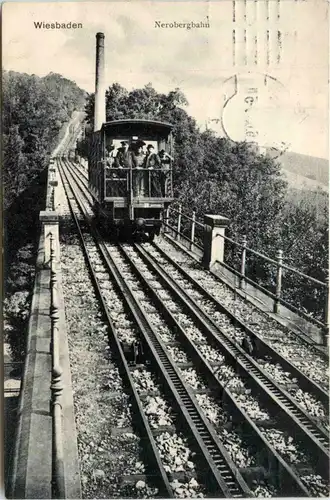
<point x="137" y="123"/>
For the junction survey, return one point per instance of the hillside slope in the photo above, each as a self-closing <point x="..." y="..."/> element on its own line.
<point x="303" y="168"/>
<point x="300" y="182"/>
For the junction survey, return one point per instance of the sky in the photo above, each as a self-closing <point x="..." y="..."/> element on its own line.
<point x="278" y="63"/>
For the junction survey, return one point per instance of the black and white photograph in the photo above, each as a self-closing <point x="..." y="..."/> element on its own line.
<point x="165" y="301"/>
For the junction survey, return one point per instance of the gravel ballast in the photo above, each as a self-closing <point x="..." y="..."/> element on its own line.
<point x="280" y="338"/>
<point x="101" y="405"/>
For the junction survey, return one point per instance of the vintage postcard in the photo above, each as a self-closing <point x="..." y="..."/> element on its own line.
<point x="166" y="288"/>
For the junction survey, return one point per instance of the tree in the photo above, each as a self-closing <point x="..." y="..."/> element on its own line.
<point x="304" y="240"/>
<point x="14" y="163"/>
<point x="34" y="111"/>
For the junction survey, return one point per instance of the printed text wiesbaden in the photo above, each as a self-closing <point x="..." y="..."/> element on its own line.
<point x="57" y="26"/>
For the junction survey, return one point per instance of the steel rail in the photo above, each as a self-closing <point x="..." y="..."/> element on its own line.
<point x="223" y="475"/>
<point x="306" y="382"/>
<point x="280" y="402"/>
<point x="79" y="179"/>
<point x="292" y="483"/>
<point x="79" y="176"/>
<point x="81" y="171"/>
<point x="155" y="464"/>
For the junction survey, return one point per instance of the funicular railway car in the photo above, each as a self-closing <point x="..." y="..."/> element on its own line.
<point x="130" y="175"/>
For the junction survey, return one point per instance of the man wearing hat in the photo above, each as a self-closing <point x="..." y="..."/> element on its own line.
<point x="166" y="161"/>
<point x="152" y="158"/>
<point x="109" y="155"/>
<point x="138" y="156"/>
<point x="123" y="160"/>
<point x="139" y="178"/>
<point x="153" y="162"/>
<point x="165" y="158"/>
<point x="124" y="156"/>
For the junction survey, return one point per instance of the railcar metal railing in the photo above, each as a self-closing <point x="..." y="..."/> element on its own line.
<point x="145" y="182"/>
<point x="183" y="228"/>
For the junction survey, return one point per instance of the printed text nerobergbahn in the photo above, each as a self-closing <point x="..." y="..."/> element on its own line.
<point x="188" y="26"/>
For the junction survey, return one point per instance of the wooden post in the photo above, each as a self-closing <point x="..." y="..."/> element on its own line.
<point x="179" y="222"/>
<point x="326" y="314"/>
<point x="243" y="261"/>
<point x="58" y="480"/>
<point x="279" y="258"/>
<point x="193" y="224"/>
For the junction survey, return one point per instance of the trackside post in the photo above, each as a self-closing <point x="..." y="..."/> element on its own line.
<point x="214" y="243"/>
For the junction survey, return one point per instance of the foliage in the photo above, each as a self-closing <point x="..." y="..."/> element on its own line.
<point x="305" y="239"/>
<point x="17" y="308"/>
<point x="139" y="103"/>
<point x="14" y="162"/>
<point x="34" y="112"/>
<point x="21" y="233"/>
<point x="17" y="302"/>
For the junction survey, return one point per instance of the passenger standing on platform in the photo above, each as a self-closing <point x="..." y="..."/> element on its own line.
<point x="123" y="160"/>
<point x="109" y="164"/>
<point x="166" y="161"/>
<point x="124" y="156"/>
<point x="109" y="156"/>
<point x="139" y="155"/>
<point x="138" y="163"/>
<point x="154" y="181"/>
<point x="152" y="158"/>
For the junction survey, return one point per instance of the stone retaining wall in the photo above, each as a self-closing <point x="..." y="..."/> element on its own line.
<point x="32" y="464"/>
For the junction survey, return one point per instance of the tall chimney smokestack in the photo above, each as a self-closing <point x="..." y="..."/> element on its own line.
<point x="99" y="111"/>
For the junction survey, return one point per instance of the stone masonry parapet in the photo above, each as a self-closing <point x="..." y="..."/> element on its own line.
<point x="32" y="473"/>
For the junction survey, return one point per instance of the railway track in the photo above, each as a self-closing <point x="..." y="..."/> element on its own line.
<point x="202" y="304"/>
<point x="291" y="415"/>
<point x="311" y="359"/>
<point x="156" y="469"/>
<point x="82" y="174"/>
<point x="266" y="392"/>
<point x="219" y="473"/>
<point x="263" y="347"/>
